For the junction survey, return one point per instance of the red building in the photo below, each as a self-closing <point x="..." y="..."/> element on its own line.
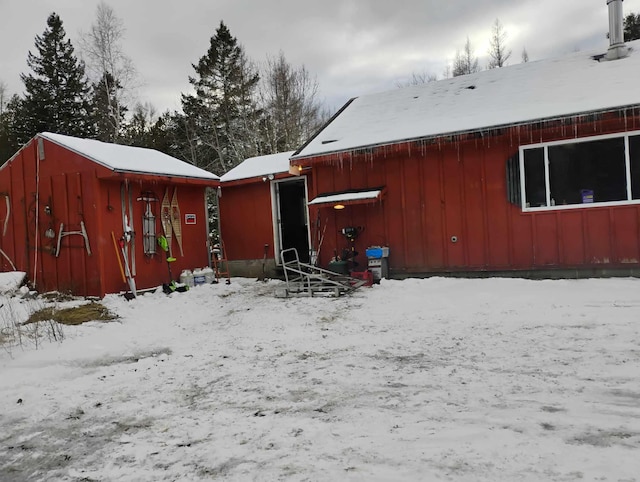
<point x="83" y="216"/>
<point x="531" y="169"/>
<point x="263" y="209"/>
<point x="527" y="169"/>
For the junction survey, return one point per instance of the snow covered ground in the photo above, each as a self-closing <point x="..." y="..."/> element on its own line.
<point x="435" y="379"/>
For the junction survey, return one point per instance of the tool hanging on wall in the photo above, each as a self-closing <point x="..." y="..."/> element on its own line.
<point x="176" y="219"/>
<point x="165" y="219"/>
<point x="148" y="224"/>
<point x="133" y="233"/>
<point x="6" y="219"/>
<point x="127" y="228"/>
<point x="82" y="232"/>
<point x="4" y="230"/>
<point x="115" y="246"/>
<point x="127" y="269"/>
<point x="171" y="286"/>
<point x="263" y="275"/>
<point x="320" y="242"/>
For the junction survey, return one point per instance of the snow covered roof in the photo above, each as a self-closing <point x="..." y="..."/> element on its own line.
<point x="352" y="197"/>
<point x="259" y="166"/>
<point x="572" y="85"/>
<point x="121" y="158"/>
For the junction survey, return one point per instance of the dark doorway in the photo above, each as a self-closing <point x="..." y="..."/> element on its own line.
<point x="292" y="205"/>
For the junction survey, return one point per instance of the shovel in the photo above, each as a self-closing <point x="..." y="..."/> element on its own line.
<point x="263" y="276"/>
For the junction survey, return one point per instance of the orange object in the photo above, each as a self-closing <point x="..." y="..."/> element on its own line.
<point x="115" y="246"/>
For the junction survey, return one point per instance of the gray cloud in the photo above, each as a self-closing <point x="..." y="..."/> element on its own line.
<point x="353" y="47"/>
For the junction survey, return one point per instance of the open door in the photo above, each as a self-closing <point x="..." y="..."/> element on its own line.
<point x="292" y="218"/>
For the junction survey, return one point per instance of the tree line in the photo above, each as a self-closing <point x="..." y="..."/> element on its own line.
<point x="236" y="109"/>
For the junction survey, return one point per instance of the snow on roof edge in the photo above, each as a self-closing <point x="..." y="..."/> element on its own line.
<point x="53" y="137"/>
<point x="259" y="166"/>
<point x="463" y="132"/>
<point x="378" y="118"/>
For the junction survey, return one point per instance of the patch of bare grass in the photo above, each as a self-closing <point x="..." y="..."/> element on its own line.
<point x="72" y="316"/>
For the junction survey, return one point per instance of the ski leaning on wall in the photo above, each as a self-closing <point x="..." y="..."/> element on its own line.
<point x="127" y="241"/>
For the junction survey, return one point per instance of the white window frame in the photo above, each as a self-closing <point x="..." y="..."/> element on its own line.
<point x="546" y="145"/>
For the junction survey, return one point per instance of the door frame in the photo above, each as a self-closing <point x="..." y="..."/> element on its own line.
<point x="275" y="214"/>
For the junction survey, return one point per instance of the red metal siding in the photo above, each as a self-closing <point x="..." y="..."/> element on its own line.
<point x="625" y="235"/>
<point x="433" y="215"/>
<point x="70" y="191"/>
<point x="457" y="188"/>
<point x="246" y="221"/>
<point x="475" y="223"/>
<point x="570" y="238"/>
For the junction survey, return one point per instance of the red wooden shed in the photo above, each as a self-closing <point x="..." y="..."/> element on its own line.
<point x="263" y="209"/>
<point x="531" y="169"/>
<point x="81" y="215"/>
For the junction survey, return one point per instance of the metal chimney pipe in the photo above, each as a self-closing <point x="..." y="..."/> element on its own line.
<point x="617" y="48"/>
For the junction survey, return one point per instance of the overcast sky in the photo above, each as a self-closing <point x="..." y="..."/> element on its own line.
<point x="352" y="47"/>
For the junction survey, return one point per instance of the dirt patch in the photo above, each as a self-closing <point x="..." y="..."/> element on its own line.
<point x="73" y="316"/>
<point x="606" y="438"/>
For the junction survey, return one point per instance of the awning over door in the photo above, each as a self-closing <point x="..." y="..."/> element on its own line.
<point x="348" y="197"/>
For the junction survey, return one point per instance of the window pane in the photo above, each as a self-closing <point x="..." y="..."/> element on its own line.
<point x="634" y="155"/>
<point x="534" y="185"/>
<point x="588" y="172"/>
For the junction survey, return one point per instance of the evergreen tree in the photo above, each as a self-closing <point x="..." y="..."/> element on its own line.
<point x="9" y="143"/>
<point x="145" y="129"/>
<point x="632" y="27"/>
<point x="498" y="51"/>
<point x="3" y="96"/>
<point x="56" y="93"/>
<point x="108" y="114"/>
<point x="465" y="62"/>
<point x="220" y="118"/>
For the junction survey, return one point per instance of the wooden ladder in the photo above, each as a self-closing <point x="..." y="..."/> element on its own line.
<point x="221" y="264"/>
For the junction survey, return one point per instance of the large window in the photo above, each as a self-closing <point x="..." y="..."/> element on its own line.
<point x="580" y="173"/>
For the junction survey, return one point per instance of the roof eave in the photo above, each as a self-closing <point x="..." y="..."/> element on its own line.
<point x="120" y="173"/>
<point x="297" y="157"/>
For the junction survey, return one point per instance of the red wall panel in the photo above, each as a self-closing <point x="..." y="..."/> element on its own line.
<point x="451" y="187"/>
<point x="625" y="233"/>
<point x="598" y="236"/>
<point x="571" y="238"/>
<point x="69" y="192"/>
<point x="474" y="212"/>
<point x="246" y="220"/>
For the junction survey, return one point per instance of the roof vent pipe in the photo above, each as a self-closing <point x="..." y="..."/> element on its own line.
<point x="617" y="48"/>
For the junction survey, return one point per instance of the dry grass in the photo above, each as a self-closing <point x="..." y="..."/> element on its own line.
<point x="73" y="316"/>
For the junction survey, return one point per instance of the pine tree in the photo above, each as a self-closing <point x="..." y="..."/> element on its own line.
<point x="3" y="96"/>
<point x="9" y="143"/>
<point x="108" y="114"/>
<point x="632" y="27"/>
<point x="220" y="118"/>
<point x="498" y="51"/>
<point x="139" y="129"/>
<point x="56" y="93"/>
<point x="465" y="63"/>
